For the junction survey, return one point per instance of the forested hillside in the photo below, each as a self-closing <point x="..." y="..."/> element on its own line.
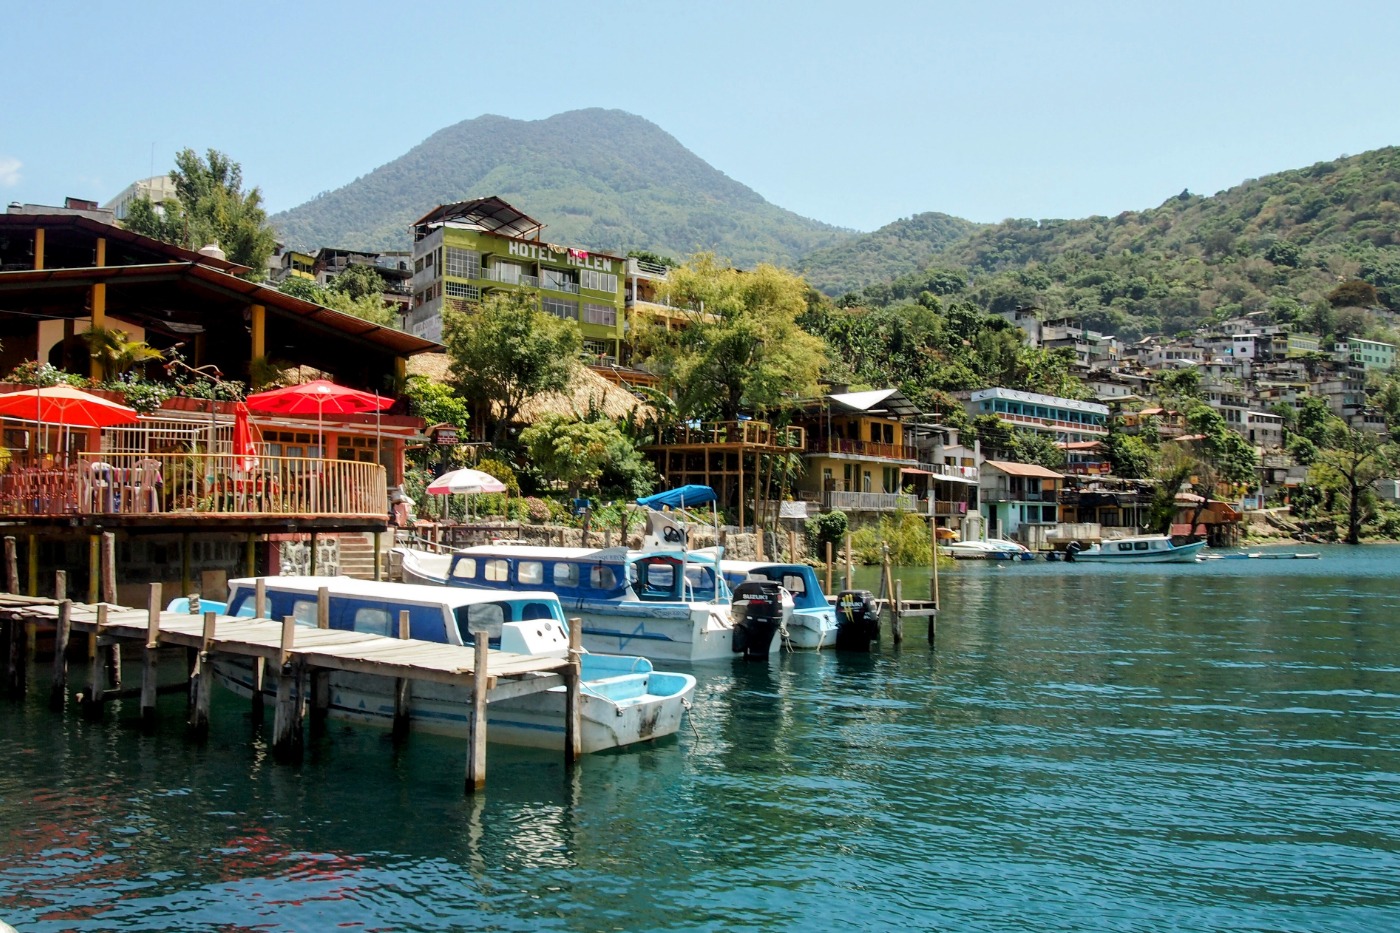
<point x="905" y="247"/>
<point x="603" y="179"/>
<point x="1280" y="243"/>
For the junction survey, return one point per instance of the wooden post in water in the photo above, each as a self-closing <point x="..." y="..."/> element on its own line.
<point x="185" y="563"/>
<point x="315" y="542"/>
<point x="202" y="682"/>
<point x="259" y="702"/>
<point x="150" y="657"/>
<point x="286" y="722"/>
<point x="792" y="546"/>
<point x="573" y="699"/>
<point x="94" y="590"/>
<point x="402" y="688"/>
<point x="897" y="618"/>
<point x="828" y="566"/>
<point x="108" y="549"/>
<point x="848" y="561"/>
<point x="476" y="725"/>
<point x="16" y="658"/>
<point x="32" y="556"/>
<point x="933" y="586"/>
<point x="321" y="679"/>
<point x="250" y="555"/>
<point x="92" y="697"/>
<point x="378" y="557"/>
<point x="887" y="586"/>
<point x="58" y="690"/>
<point x="11" y="565"/>
<point x="60" y="585"/>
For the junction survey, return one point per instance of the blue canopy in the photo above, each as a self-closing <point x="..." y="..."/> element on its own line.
<point x="680" y="496"/>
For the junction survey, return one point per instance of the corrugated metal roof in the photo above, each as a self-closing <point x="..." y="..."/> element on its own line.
<point x="1023" y="469"/>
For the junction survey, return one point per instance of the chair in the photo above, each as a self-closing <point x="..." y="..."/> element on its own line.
<point x="104" y="489"/>
<point x="146" y="482"/>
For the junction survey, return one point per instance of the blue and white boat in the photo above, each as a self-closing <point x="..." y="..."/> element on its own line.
<point x="663" y="601"/>
<point x="812" y="621"/>
<point x="1137" y="549"/>
<point x="623" y="699"/>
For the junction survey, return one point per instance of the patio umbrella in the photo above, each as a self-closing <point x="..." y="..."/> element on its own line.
<point x="465" y="481"/>
<point x="64" y="405"/>
<point x="245" y="440"/>
<point x="319" y="396"/>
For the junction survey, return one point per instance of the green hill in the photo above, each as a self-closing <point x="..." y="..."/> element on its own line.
<point x="603" y="179"/>
<point x="904" y="247"/>
<point x="1280" y="243"/>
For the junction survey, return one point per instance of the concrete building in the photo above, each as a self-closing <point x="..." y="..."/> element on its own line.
<point x="1067" y="420"/>
<point x="159" y="188"/>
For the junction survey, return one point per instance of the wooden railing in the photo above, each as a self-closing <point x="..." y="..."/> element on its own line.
<point x="752" y="433"/>
<point x="872" y="501"/>
<point x="871" y="449"/>
<point x="219" y="484"/>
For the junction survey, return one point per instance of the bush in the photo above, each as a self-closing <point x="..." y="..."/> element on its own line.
<point x="826" y="527"/>
<point x="537" y="509"/>
<point x="906" y="534"/>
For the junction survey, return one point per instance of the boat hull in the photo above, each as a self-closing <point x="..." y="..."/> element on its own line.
<point x="1180" y="554"/>
<point x="614" y="711"/>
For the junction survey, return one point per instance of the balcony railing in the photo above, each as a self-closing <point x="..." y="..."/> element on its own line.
<point x="948" y="469"/>
<point x="750" y="433"/>
<point x="870" y="449"/>
<point x="216" y="484"/>
<point x="872" y="501"/>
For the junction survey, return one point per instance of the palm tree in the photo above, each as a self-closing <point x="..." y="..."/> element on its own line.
<point x="117" y="353"/>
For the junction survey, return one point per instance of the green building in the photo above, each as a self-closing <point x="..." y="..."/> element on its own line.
<point x="462" y="252"/>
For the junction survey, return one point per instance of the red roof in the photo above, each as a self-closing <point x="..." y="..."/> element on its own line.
<point x="1023" y="469"/>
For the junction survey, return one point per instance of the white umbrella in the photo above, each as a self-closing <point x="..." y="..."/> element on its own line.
<point x="465" y="481"/>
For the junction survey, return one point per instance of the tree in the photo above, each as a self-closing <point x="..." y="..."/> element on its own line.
<point x="579" y="453"/>
<point x="508" y="351"/>
<point x="1350" y="463"/>
<point x="210" y="206"/>
<point x="351" y="299"/>
<point x="1231" y="458"/>
<point x="1131" y="456"/>
<point x="741" y="349"/>
<point x="1355" y="293"/>
<point x="116" y="353"/>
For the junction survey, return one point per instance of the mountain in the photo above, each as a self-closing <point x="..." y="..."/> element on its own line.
<point x="602" y="179"/>
<point x="898" y="249"/>
<point x="1282" y="243"/>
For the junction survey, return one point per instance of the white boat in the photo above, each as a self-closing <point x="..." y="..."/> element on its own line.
<point x="811" y="621"/>
<point x="664" y="601"/>
<point x="624" y="700"/>
<point x="1138" y="549"/>
<point x="991" y="549"/>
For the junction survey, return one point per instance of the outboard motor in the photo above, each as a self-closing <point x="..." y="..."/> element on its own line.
<point x="857" y="620"/>
<point x="758" y="611"/>
<point x="1071" y="549"/>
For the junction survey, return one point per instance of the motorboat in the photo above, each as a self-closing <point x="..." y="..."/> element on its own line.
<point x="664" y="601"/>
<point x="810" y="622"/>
<point x="624" y="700"/>
<point x="991" y="549"/>
<point x="1137" y="549"/>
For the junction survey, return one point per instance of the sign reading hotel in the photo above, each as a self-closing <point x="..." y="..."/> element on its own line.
<point x="573" y="257"/>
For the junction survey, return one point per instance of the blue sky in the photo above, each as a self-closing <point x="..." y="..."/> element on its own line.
<point x="854" y="114"/>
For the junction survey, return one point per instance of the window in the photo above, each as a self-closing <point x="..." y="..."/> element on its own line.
<point x="373" y="621"/>
<point x="462" y="290"/>
<point x="464" y="569"/>
<point x="558" y="280"/>
<point x="498" y="570"/>
<point x="529" y="572"/>
<point x="561" y="308"/>
<point x="507" y="272"/>
<point x="535" y="610"/>
<point x="596" y="281"/>
<point x="304" y="611"/>
<point x="479" y="614"/>
<point x="599" y="314"/>
<point x="566" y="575"/>
<point x="1139" y="545"/>
<point x="655" y="579"/>
<point x="602" y="577"/>
<point x="464" y="264"/>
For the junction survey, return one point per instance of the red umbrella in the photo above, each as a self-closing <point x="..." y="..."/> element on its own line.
<point x="320" y="396"/>
<point x="245" y="440"/>
<point x="64" y="405"/>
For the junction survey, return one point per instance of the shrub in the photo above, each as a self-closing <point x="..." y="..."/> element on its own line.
<point x="826" y="527"/>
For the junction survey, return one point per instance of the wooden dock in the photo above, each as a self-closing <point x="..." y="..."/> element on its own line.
<point x="303" y="657"/>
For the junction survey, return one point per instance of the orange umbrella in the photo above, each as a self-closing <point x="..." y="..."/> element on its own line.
<point x="65" y="405"/>
<point x="245" y="440"/>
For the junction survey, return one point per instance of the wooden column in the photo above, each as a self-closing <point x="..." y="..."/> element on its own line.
<point x="97" y="668"/>
<point x="94" y="589"/>
<point x="476" y="725"/>
<point x="108" y="549"/>
<point x="39" y="248"/>
<point x="33" y="558"/>
<point x="378" y="557"/>
<point x="849" y="569"/>
<point x="11" y="565"/>
<point x="257" y="323"/>
<point x="150" y="657"/>
<point x="58" y="690"/>
<point x="402" y="689"/>
<point x="97" y="296"/>
<point x="828" y="566"/>
<point x="287" y="743"/>
<point x="202" y="682"/>
<point x="259" y="706"/>
<point x="315" y="539"/>
<point x="321" y="679"/>
<point x="185" y="563"/>
<point x="250" y="555"/>
<point x="573" y="700"/>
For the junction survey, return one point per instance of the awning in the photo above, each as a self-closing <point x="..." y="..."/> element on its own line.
<point x="911" y="470"/>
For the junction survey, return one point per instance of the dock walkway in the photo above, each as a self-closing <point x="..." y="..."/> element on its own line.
<point x="303" y="655"/>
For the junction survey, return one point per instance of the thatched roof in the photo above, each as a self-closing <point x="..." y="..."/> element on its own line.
<point x="586" y="389"/>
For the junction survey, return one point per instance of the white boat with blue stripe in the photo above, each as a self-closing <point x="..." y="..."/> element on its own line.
<point x="623" y="699"/>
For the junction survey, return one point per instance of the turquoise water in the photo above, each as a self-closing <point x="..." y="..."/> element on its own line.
<point x="1194" y="747"/>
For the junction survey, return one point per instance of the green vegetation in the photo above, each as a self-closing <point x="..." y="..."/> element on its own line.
<point x="211" y="207"/>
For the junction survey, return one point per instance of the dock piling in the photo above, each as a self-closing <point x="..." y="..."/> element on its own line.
<point x="849" y="566"/>
<point x="402" y="688"/>
<point x="92" y="697"/>
<point x="321" y="679"/>
<point x="476" y="726"/>
<point x="150" y="656"/>
<point x="202" y="682"/>
<point x="286" y="721"/>
<point x="11" y="565"/>
<point x="573" y="700"/>
<point x="58" y="690"/>
<point x="897" y="612"/>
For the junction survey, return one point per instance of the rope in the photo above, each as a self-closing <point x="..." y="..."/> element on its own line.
<point x="690" y="717"/>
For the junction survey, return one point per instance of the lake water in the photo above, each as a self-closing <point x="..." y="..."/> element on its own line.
<point x="1196" y="747"/>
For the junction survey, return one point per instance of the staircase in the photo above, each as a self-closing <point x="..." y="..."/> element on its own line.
<point x="357" y="556"/>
